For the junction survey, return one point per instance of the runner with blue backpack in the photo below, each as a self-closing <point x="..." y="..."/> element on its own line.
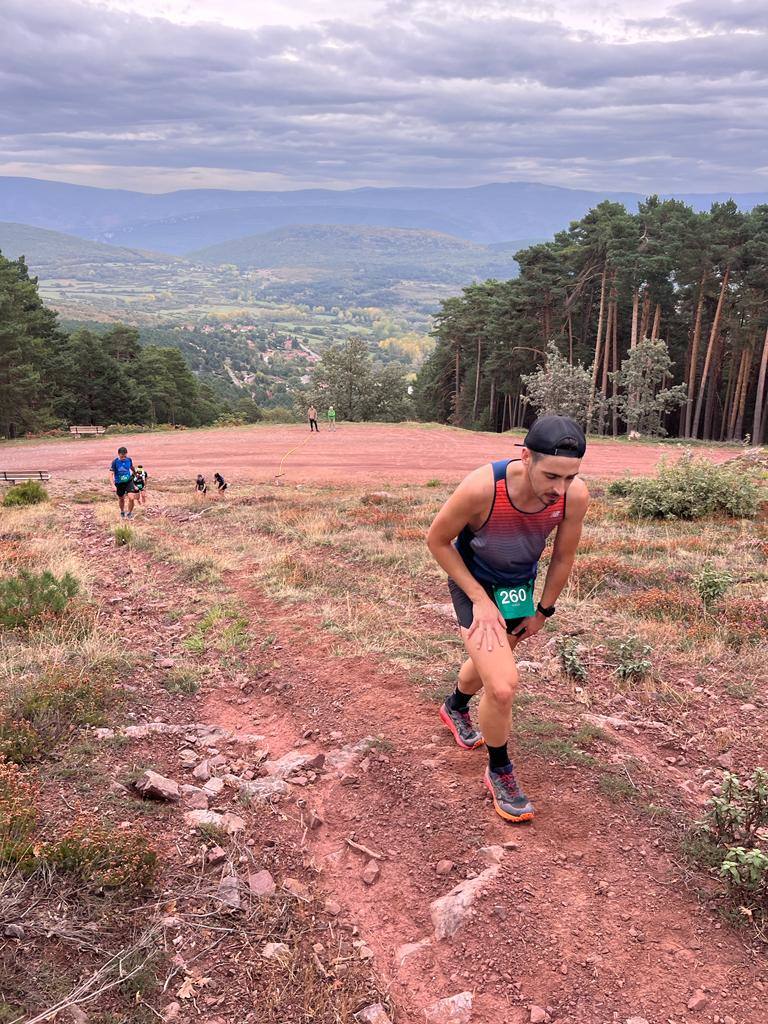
<point x="121" y="469"/>
<point x="489" y="537"/>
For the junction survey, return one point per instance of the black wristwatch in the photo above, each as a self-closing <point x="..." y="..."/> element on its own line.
<point x="546" y="612"/>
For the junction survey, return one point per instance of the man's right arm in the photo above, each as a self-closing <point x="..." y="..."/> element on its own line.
<point x="464" y="504"/>
<point x="468" y="502"/>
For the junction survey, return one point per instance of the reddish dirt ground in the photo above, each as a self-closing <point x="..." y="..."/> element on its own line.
<point x="588" y="916"/>
<point x="362" y="452"/>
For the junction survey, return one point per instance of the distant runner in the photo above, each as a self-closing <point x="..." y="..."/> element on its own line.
<point x="312" y="416"/>
<point x="501" y="515"/>
<point x="121" y="469"/>
<point x="200" y="485"/>
<point x="221" y="483"/>
<point x="140" y="484"/>
<point x="331" y="418"/>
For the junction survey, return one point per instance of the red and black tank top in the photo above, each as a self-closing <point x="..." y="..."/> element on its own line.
<point x="507" y="547"/>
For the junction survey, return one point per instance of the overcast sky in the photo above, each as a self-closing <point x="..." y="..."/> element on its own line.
<point x="162" y="94"/>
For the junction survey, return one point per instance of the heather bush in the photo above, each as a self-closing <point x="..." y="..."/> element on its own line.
<point x="30" y="492"/>
<point x="30" y="597"/>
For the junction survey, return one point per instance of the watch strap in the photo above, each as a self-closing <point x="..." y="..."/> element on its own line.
<point x="546" y="612"/>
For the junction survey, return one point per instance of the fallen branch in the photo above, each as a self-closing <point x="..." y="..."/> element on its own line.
<point x="364" y="849"/>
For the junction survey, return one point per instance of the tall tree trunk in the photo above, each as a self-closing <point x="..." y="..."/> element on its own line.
<point x="503" y="413"/>
<point x="477" y="382"/>
<point x="492" y="405"/>
<point x="456" y="389"/>
<point x="736" y="400"/>
<point x="615" y="411"/>
<point x="694" y="357"/>
<point x="646" y="312"/>
<point x="635" y="310"/>
<point x="713" y="396"/>
<point x="739" y="428"/>
<point x="656" y="322"/>
<point x="713" y="336"/>
<point x="570" y="338"/>
<point x="730" y="391"/>
<point x="598" y="348"/>
<point x="758" y="422"/>
<point x="606" y="358"/>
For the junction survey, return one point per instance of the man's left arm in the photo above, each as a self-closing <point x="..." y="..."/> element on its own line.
<point x="563" y="555"/>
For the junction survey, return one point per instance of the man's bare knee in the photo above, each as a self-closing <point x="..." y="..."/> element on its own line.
<point x="500" y="692"/>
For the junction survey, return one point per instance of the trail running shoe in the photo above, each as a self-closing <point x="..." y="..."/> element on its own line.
<point x="460" y="724"/>
<point x="122" y="515"/>
<point x="509" y="800"/>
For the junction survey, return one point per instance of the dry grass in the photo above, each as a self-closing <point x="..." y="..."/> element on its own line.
<point x="361" y="562"/>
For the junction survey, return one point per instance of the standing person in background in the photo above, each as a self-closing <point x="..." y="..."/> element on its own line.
<point x="221" y="483"/>
<point x="331" y="418"/>
<point x="140" y="483"/>
<point x="121" y="469"/>
<point x="312" y="415"/>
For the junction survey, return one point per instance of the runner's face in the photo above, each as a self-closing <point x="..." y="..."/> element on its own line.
<point x="550" y="476"/>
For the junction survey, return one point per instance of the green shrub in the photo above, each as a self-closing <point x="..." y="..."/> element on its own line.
<point x="731" y="841"/>
<point x="20" y="742"/>
<point x="711" y="584"/>
<point x="181" y="680"/>
<point x="690" y="489"/>
<point x="621" y="488"/>
<point x="124" y="536"/>
<point x="30" y="597"/>
<point x="56" y="702"/>
<point x="280" y="414"/>
<point x="103" y="857"/>
<point x="633" y="663"/>
<point x="41" y="713"/>
<point x="570" y="661"/>
<point x="28" y="493"/>
<point x="18" y="809"/>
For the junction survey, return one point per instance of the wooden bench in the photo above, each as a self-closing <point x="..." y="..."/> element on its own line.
<point x="86" y="431"/>
<point x="18" y="476"/>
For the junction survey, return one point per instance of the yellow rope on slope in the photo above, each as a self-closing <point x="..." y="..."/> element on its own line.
<point x="290" y="452"/>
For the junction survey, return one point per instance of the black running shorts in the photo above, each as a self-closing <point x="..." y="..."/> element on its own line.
<point x="125" y="488"/>
<point x="463" y="605"/>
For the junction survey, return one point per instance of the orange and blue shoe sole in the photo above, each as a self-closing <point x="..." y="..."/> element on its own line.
<point x="446" y="720"/>
<point x="514" y="818"/>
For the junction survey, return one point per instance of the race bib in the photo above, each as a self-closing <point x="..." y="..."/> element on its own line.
<point x="515" y="602"/>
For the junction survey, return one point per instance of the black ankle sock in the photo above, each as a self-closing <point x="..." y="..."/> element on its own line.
<point x="460" y="701"/>
<point x="498" y="757"/>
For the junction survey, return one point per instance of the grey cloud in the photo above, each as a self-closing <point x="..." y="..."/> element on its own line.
<point x="724" y="15"/>
<point x="409" y="100"/>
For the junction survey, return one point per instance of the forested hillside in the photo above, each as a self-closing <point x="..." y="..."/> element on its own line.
<point x="666" y="308"/>
<point x="50" y="378"/>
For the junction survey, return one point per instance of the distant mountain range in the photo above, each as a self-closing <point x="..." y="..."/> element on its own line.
<point x="191" y="220"/>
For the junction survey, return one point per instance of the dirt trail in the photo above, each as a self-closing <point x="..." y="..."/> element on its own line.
<point x="354" y="452"/>
<point x="587" y="916"/>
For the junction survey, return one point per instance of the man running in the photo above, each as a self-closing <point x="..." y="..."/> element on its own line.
<point x="121" y="469"/>
<point x="501" y="515"/>
<point x="312" y="415"/>
<point x="331" y="418"/>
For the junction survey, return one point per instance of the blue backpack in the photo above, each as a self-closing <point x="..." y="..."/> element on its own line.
<point x="123" y="470"/>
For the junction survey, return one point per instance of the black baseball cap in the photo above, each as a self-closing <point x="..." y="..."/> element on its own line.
<point x="556" y="435"/>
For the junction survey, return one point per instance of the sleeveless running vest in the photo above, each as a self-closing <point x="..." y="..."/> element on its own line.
<point x="507" y="547"/>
